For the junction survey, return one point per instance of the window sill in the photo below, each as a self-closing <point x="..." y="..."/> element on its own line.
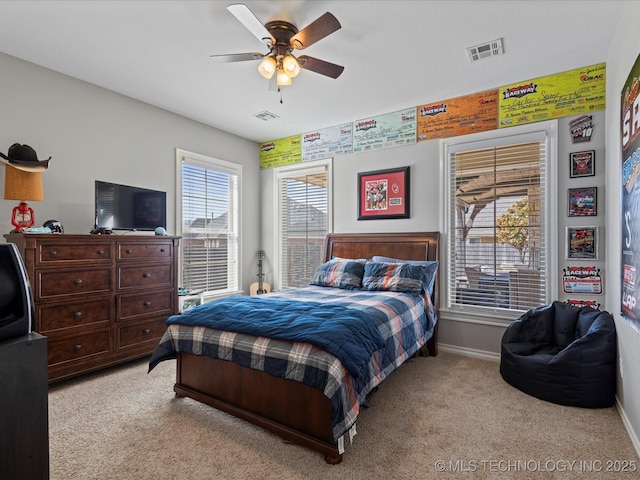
<point x="495" y="318"/>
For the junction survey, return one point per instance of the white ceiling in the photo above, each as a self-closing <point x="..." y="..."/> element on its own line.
<point x="397" y="54"/>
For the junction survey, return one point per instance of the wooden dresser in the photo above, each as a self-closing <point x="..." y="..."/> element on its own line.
<point x="100" y="299"/>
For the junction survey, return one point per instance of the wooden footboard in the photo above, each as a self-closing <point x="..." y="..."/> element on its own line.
<point x="294" y="411"/>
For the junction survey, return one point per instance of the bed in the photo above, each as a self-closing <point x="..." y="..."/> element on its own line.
<point x="313" y="403"/>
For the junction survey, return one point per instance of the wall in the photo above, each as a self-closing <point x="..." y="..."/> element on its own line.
<point x="477" y="335"/>
<point x="95" y="134"/>
<point x="622" y="55"/>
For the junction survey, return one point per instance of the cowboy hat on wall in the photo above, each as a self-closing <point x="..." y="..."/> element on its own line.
<point x="23" y="157"/>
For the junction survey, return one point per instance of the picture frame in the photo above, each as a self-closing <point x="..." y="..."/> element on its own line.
<point x="582" y="243"/>
<point x="384" y="194"/>
<point x="583" y="202"/>
<point x="582" y="164"/>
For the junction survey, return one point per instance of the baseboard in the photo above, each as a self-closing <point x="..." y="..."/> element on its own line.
<point x="470" y="352"/>
<point x="635" y="441"/>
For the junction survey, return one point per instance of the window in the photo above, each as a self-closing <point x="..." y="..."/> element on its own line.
<point x="304" y="219"/>
<point x="208" y="211"/>
<point x="498" y="220"/>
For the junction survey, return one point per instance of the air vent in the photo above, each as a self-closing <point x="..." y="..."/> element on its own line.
<point x="265" y="115"/>
<point x="489" y="49"/>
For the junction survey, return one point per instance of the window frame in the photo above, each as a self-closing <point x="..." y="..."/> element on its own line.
<point x="543" y="131"/>
<point x="289" y="171"/>
<point x="210" y="163"/>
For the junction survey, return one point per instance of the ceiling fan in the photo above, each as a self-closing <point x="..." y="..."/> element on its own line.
<point x="279" y="64"/>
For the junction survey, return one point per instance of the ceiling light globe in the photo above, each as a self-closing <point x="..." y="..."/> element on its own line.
<point x="267" y="67"/>
<point x="291" y="66"/>
<point x="283" y="78"/>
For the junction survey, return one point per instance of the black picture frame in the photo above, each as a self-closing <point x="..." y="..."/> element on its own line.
<point x="384" y="194"/>
<point x="583" y="202"/>
<point x="582" y="164"/>
<point x="582" y="243"/>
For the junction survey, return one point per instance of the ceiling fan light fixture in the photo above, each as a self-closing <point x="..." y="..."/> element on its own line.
<point x="283" y="78"/>
<point x="291" y="66"/>
<point x="267" y="67"/>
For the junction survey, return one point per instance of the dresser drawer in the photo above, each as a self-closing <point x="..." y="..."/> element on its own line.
<point x="53" y="253"/>
<point x="144" y="251"/>
<point x="145" y="276"/>
<point x="59" y="283"/>
<point x="51" y="318"/>
<point x="147" y="303"/>
<point x="79" y="346"/>
<point x="149" y="331"/>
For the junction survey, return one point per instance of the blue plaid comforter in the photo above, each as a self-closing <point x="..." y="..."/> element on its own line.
<point x="404" y="322"/>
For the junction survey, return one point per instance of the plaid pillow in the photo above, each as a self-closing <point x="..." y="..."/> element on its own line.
<point x="395" y="277"/>
<point x="340" y="273"/>
<point x="430" y="270"/>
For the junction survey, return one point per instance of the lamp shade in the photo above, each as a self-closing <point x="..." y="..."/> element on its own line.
<point x="22" y="186"/>
<point x="267" y="67"/>
<point x="291" y="66"/>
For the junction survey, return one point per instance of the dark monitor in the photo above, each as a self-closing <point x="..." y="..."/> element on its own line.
<point x="16" y="301"/>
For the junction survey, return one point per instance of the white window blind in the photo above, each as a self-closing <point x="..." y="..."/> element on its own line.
<point x="209" y="224"/>
<point x="498" y="242"/>
<point x="303" y="215"/>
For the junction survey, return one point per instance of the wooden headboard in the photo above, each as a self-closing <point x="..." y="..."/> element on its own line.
<point x="405" y="246"/>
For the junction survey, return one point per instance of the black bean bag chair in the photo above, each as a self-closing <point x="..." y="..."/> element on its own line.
<point x="563" y="354"/>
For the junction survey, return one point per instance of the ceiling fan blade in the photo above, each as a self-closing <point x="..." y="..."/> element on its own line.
<point x="251" y="22"/>
<point x="237" y="57"/>
<point x="316" y="30"/>
<point x="320" y="66"/>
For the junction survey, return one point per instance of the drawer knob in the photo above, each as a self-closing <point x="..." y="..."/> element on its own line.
<point x="53" y="253"/>
<point x="146" y="275"/>
<point x="100" y="252"/>
<point x="162" y="250"/>
<point x="146" y="331"/>
<point x="147" y="303"/>
<point x="77" y="347"/>
<point x="129" y="251"/>
<point x="77" y="314"/>
<point x="78" y="281"/>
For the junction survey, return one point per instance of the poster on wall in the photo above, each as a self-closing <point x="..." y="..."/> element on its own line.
<point x="285" y="151"/>
<point x="630" y="196"/>
<point x="328" y="142"/>
<point x="578" y="302"/>
<point x="560" y="95"/>
<point x="386" y="131"/>
<point x="458" y="116"/>
<point x="582" y="279"/>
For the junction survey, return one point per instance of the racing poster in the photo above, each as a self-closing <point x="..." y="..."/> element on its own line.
<point x="386" y="131"/>
<point x="630" y="196"/>
<point x="561" y="95"/>
<point x="458" y="116"/>
<point x="328" y="142"/>
<point x="285" y="151"/>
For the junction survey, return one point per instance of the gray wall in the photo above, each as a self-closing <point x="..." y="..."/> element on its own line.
<point x="95" y="134"/>
<point x="622" y="55"/>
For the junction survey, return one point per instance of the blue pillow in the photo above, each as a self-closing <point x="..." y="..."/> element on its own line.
<point x="340" y="273"/>
<point x="430" y="270"/>
<point x="394" y="277"/>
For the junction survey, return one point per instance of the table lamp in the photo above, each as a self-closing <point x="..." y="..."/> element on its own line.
<point x="22" y="186"/>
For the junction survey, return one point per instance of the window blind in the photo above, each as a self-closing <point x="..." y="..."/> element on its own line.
<point x="303" y="223"/>
<point x="209" y="244"/>
<point x="498" y="240"/>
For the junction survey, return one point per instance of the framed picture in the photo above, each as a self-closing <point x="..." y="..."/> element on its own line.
<point x="582" y="164"/>
<point x="383" y="194"/>
<point x="582" y="243"/>
<point x="583" y="202"/>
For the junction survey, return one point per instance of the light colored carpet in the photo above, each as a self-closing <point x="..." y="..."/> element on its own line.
<point x="441" y="417"/>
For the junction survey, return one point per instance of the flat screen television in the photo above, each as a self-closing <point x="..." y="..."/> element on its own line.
<point x="123" y="207"/>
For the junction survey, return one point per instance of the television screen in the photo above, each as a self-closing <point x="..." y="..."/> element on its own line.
<point x="123" y="207"/>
